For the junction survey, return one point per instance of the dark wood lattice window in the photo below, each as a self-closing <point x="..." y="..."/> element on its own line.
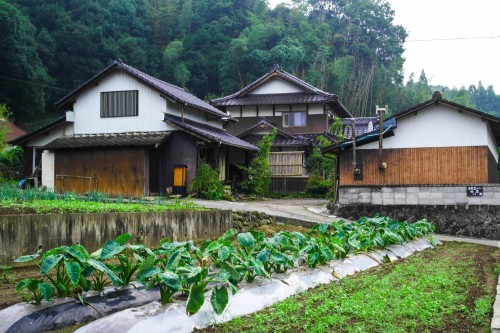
<point x="119" y="103"/>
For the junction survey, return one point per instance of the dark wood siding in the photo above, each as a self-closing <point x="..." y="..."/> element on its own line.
<point x="317" y="123"/>
<point x="414" y="166"/>
<point x="117" y="171"/>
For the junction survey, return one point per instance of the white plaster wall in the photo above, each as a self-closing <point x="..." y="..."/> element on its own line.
<point x="87" y="108"/>
<point x="438" y="126"/>
<point x="265" y="110"/>
<point x="233" y="110"/>
<point x="48" y="163"/>
<point x="276" y="86"/>
<point x="315" y="109"/>
<point x="249" y="111"/>
<point x="41" y="140"/>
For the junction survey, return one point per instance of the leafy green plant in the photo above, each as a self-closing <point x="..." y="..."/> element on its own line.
<point x="123" y="259"/>
<point x="246" y="257"/>
<point x="39" y="288"/>
<point x="258" y="179"/>
<point x="206" y="183"/>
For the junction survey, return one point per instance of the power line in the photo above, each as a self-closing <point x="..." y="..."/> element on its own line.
<point x="32" y="83"/>
<point x="450" y="38"/>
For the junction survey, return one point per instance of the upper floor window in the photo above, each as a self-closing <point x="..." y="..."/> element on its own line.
<point x="119" y="103"/>
<point x="294" y="119"/>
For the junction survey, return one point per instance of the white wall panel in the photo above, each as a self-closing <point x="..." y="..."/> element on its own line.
<point x="87" y="108"/>
<point x="48" y="165"/>
<point x="276" y="86"/>
<point x="42" y="140"/>
<point x="265" y="110"/>
<point x="437" y="126"/>
<point x="249" y="111"/>
<point x="315" y="109"/>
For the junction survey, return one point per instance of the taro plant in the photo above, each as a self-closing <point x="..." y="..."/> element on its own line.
<point x="39" y="288"/>
<point x="124" y="259"/>
<point x="245" y="258"/>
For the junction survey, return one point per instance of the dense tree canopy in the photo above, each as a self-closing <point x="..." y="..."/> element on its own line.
<point x="213" y="48"/>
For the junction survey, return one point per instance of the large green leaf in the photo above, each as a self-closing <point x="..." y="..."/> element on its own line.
<point x="73" y="270"/>
<point x="123" y="238"/>
<point x="230" y="269"/>
<point x="263" y="255"/>
<point x="327" y="253"/>
<point x="171" y="279"/>
<point x="105" y="269"/>
<point x="48" y="263"/>
<point x="77" y="251"/>
<point x="246" y="239"/>
<point x="23" y="284"/>
<point x="46" y="290"/>
<point x="229" y="234"/>
<point x="312" y="258"/>
<point x="219" y="299"/>
<point x="174" y="259"/>
<point x="224" y="253"/>
<point x="143" y="275"/>
<point x="110" y="249"/>
<point x="196" y="299"/>
<point x="30" y="257"/>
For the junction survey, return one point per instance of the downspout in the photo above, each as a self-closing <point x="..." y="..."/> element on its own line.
<point x="354" y="160"/>
<point x="380" y="111"/>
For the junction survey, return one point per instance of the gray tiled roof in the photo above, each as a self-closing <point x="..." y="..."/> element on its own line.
<point x="292" y="98"/>
<point x="275" y="71"/>
<point x="362" y="126"/>
<point x="23" y="138"/>
<point x="169" y="90"/>
<point x="208" y="132"/>
<point x="140" y="139"/>
<point x="280" y="141"/>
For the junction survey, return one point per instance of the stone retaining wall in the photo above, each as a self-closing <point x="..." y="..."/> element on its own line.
<point x="23" y="234"/>
<point x="418" y="195"/>
<point x="469" y="221"/>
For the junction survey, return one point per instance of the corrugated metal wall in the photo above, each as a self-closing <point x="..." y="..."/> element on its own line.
<point x="449" y="165"/>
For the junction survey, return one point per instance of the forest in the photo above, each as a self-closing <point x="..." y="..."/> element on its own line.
<point x="212" y="48"/>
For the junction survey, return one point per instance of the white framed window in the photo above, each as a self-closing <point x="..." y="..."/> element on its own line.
<point x="119" y="103"/>
<point x="294" y="119"/>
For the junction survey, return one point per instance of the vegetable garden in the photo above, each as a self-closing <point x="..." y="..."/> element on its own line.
<point x="181" y="269"/>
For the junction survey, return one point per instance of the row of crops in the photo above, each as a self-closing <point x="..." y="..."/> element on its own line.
<point x="219" y="265"/>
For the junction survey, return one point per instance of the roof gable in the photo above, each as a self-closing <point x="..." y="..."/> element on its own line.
<point x="437" y="99"/>
<point x="275" y="72"/>
<point x="166" y="89"/>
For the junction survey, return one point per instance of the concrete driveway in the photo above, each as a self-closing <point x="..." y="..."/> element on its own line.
<point x="311" y="210"/>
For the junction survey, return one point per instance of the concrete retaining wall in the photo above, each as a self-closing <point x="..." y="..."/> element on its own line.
<point x="23" y="234"/>
<point x="469" y="221"/>
<point x="418" y="195"/>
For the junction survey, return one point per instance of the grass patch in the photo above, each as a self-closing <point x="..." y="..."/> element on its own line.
<point x="448" y="289"/>
<point x="61" y="206"/>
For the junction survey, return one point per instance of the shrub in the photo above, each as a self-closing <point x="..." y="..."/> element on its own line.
<point x="11" y="163"/>
<point x="259" y="173"/>
<point x="317" y="185"/>
<point x="206" y="183"/>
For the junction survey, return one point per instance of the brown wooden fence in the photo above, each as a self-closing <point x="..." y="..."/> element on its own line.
<point x="288" y="184"/>
<point x="287" y="163"/>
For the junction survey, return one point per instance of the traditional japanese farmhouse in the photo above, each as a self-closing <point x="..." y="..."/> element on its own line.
<point x="128" y="133"/>
<point x="437" y="152"/>
<point x="298" y="111"/>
